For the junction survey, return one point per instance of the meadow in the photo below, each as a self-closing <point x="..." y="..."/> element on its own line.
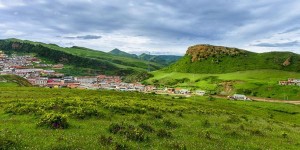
<point x="40" y="118"/>
<point x="260" y="83"/>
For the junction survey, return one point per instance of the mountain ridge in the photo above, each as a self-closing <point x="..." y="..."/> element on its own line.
<point x="204" y="58"/>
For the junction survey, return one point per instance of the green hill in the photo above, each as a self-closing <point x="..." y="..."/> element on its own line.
<point x="164" y="60"/>
<point x="86" y="60"/>
<point x="122" y="53"/>
<point x="219" y="59"/>
<point x="13" y="81"/>
<point x="161" y="59"/>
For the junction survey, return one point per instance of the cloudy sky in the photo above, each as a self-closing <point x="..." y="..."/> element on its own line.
<point x="158" y="26"/>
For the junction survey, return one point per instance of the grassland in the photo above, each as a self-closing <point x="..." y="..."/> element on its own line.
<point x="261" y="83"/>
<point x="38" y="118"/>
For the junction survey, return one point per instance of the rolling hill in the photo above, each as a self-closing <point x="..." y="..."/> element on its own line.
<point x="219" y="59"/>
<point x="80" y="60"/>
<point x="164" y="60"/>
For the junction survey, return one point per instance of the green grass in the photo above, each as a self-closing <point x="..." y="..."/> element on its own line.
<point x="112" y="120"/>
<point x="263" y="83"/>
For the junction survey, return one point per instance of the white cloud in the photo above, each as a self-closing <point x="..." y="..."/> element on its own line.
<point x="12" y="33"/>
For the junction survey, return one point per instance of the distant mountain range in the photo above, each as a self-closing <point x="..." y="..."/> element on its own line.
<point x="165" y="60"/>
<point x="219" y="59"/>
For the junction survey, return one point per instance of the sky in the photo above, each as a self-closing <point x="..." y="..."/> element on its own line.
<point x="156" y="26"/>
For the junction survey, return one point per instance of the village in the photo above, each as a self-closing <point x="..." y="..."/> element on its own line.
<point x="31" y="69"/>
<point x="295" y="82"/>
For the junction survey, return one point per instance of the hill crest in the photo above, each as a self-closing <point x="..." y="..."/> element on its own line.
<point x="206" y="58"/>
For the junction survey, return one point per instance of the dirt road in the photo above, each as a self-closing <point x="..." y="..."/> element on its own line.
<point x="296" y="102"/>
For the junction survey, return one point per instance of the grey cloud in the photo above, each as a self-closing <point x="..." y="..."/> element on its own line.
<point x="291" y="30"/>
<point x="84" y="37"/>
<point x="284" y="44"/>
<point x="161" y="21"/>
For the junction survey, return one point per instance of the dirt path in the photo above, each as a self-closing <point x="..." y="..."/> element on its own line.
<point x="296" y="102"/>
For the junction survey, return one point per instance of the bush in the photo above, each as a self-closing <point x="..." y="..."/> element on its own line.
<point x="170" y="124"/>
<point x="206" y="124"/>
<point x="120" y="146"/>
<point x="178" y="146"/>
<point x="146" y="127"/>
<point x="115" y="128"/>
<point x="103" y="140"/>
<point x="54" y="121"/>
<point x="233" y="119"/>
<point x="164" y="133"/>
<point x="8" y="140"/>
<point x="135" y="134"/>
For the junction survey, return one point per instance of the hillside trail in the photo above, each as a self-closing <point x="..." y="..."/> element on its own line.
<point x="296" y="102"/>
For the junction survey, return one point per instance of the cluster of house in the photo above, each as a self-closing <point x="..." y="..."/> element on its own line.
<point x="290" y="82"/>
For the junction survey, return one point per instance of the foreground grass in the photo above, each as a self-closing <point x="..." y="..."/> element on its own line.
<point x="262" y="83"/>
<point x="116" y="120"/>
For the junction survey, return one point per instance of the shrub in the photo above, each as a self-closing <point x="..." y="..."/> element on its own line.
<point x="178" y="146"/>
<point x="135" y="134"/>
<point x="8" y="141"/>
<point x="233" y="119"/>
<point x="164" y="133"/>
<point x="103" y="140"/>
<point x="120" y="146"/>
<point x="285" y="135"/>
<point x="54" y="121"/>
<point x="256" y="132"/>
<point x="146" y="127"/>
<point x="115" y="128"/>
<point x="170" y="124"/>
<point x="158" y="115"/>
<point x="206" y="124"/>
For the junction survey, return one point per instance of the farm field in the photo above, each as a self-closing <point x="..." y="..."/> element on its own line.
<point x="40" y="118"/>
<point x="260" y="83"/>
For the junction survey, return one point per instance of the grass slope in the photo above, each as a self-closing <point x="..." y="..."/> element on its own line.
<point x="261" y="83"/>
<point x="217" y="59"/>
<point x="122" y="53"/>
<point x="116" y="120"/>
<point x="79" y="57"/>
<point x="13" y="81"/>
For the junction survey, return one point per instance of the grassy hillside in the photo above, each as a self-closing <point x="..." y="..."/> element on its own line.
<point x="161" y="59"/>
<point x="164" y="60"/>
<point x="79" y="57"/>
<point x="218" y="59"/>
<point x="261" y="83"/>
<point x="82" y="119"/>
<point x="13" y="81"/>
<point x="121" y="53"/>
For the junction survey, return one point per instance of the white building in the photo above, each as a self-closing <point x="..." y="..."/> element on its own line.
<point x="200" y="92"/>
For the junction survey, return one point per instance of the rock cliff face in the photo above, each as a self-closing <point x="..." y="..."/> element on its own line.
<point x="203" y="51"/>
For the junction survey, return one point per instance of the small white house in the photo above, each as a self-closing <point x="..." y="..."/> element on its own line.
<point x="240" y="97"/>
<point x="200" y="92"/>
